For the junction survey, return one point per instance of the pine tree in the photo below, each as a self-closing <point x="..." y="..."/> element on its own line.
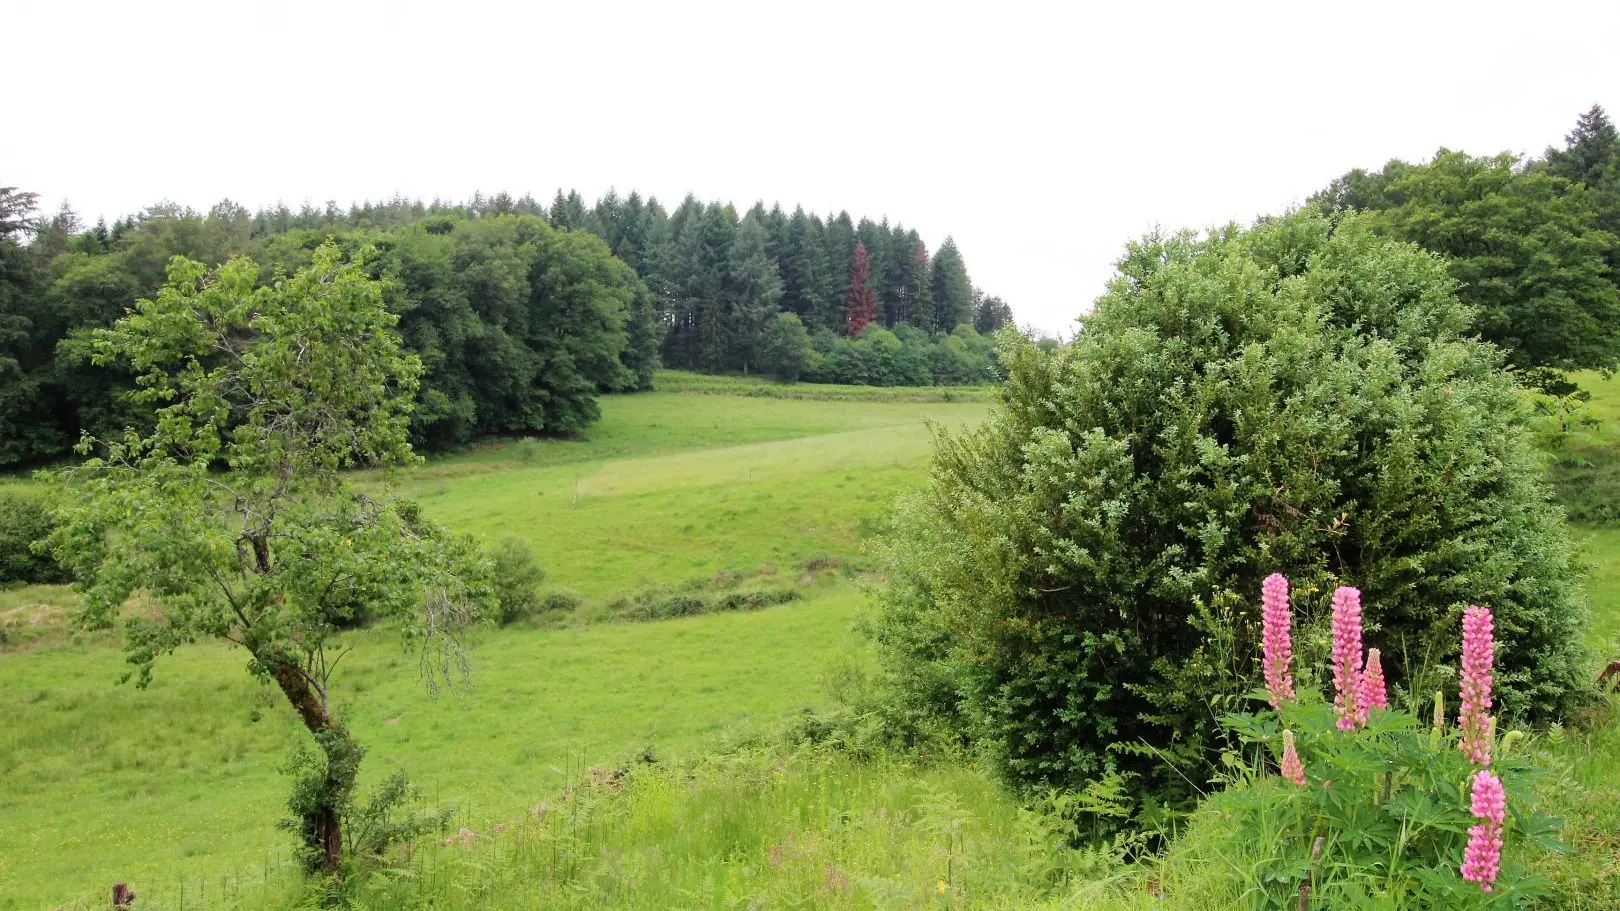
<point x="861" y="306"/>
<point x="755" y="288"/>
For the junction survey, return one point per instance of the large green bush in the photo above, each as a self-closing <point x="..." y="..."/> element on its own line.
<point x="24" y="519"/>
<point x="1078" y="587"/>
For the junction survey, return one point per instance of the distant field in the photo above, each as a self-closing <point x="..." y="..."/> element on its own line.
<point x="682" y="381"/>
<point x="180" y="783"/>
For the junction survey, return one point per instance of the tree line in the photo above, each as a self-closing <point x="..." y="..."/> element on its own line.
<point x="521" y="313"/>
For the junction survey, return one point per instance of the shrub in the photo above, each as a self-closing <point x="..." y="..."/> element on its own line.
<point x="1072" y="588"/>
<point x="517" y="578"/>
<point x="24" y="519"/>
<point x="560" y="601"/>
<point x="656" y="604"/>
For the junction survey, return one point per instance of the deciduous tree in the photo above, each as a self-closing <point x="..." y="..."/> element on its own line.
<point x="232" y="513"/>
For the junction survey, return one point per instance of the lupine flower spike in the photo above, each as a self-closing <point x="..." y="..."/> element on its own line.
<point x="1277" y="639"/>
<point x="1483" y="856"/>
<point x="1292" y="768"/>
<point x="1478" y="651"/>
<point x="1347" y="657"/>
<point x="1372" y="685"/>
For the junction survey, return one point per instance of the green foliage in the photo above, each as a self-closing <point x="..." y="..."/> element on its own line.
<point x="1390" y="805"/>
<point x="786" y="348"/>
<point x="24" y="519"/>
<point x="1076" y="588"/>
<point x="515" y="577"/>
<point x="1524" y="246"/>
<point x="284" y="386"/>
<point x="905" y="356"/>
<point x="1591" y="157"/>
<point x="390" y="816"/>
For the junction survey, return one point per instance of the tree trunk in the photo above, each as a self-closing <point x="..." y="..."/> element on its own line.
<point x="323" y="827"/>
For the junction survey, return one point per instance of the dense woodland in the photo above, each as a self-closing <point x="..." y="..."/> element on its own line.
<point x="1533" y="246"/>
<point x="520" y="313"/>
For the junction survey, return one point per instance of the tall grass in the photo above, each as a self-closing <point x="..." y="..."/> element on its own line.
<point x="756" y="830"/>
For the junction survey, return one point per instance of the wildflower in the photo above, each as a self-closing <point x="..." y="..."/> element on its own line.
<point x="1276" y="640"/>
<point x="1483" y="856"/>
<point x="1372" y="684"/>
<point x="1347" y="657"/>
<point x="1477" y="652"/>
<point x="1292" y="768"/>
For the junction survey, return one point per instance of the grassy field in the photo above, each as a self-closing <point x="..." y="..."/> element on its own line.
<point x="180" y="783"/>
<point x="176" y="788"/>
<point x="670" y="487"/>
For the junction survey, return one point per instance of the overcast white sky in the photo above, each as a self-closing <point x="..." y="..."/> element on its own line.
<point x="1042" y="136"/>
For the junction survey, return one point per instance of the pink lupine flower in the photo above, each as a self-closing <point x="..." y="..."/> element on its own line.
<point x="1372" y="685"/>
<point x="1347" y="658"/>
<point x="1478" y="650"/>
<point x="1483" y="856"/>
<point x="1277" y="640"/>
<point x="1292" y="768"/>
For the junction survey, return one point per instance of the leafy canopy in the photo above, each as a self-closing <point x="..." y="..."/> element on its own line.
<point x="1524" y="245"/>
<point x="232" y="513"/>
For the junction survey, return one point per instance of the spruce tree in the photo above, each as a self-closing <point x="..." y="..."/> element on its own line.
<point x="838" y="250"/>
<point x="989" y="313"/>
<point x="755" y="288"/>
<point x="861" y="306"/>
<point x="1590" y="151"/>
<point x="800" y="294"/>
<point x="916" y="291"/>
<point x="709" y="288"/>
<point x="953" y="292"/>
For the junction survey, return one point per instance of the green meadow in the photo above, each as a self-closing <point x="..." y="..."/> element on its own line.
<point x="176" y="788"/>
<point x="180" y="783"/>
